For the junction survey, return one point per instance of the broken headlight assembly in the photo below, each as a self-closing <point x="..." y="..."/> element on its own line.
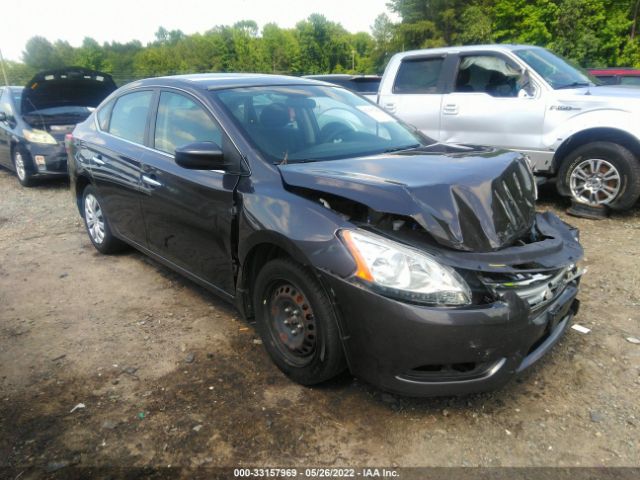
<point x="404" y="273"/>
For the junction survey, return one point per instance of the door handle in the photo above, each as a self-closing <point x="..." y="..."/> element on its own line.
<point x="97" y="159"/>
<point x="390" y="107"/>
<point x="450" y="109"/>
<point x="152" y="182"/>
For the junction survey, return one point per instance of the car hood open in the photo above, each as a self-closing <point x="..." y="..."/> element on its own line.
<point x="466" y="199"/>
<point x="71" y="86"/>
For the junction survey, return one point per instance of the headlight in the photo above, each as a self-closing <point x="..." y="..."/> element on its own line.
<point x="403" y="272"/>
<point x="39" y="136"/>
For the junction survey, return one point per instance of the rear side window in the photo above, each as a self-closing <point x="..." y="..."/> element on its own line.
<point x="182" y="121"/>
<point x="419" y="76"/>
<point x="129" y="116"/>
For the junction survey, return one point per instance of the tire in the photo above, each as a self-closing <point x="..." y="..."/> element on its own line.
<point x="601" y="173"/>
<point x="22" y="167"/>
<point x="312" y="355"/>
<point x="97" y="224"/>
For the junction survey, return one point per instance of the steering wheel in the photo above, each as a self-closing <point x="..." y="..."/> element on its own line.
<point x="335" y="131"/>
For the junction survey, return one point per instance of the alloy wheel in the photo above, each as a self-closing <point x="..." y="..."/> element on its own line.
<point x="94" y="218"/>
<point x="20" y="169"/>
<point x="595" y="182"/>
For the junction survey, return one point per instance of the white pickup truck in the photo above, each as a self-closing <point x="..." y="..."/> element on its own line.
<point x="524" y="98"/>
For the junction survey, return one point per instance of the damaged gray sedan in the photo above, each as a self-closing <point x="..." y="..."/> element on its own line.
<point x="352" y="240"/>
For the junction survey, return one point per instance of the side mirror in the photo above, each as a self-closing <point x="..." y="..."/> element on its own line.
<point x="3" y="117"/>
<point x="201" y="156"/>
<point x="526" y="87"/>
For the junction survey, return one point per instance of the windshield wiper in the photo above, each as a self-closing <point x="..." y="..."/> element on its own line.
<point x="573" y="85"/>
<point x="400" y="149"/>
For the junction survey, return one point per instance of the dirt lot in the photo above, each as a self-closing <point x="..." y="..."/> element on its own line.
<point x="169" y="375"/>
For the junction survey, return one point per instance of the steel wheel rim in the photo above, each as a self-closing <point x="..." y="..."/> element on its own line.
<point x="595" y="182"/>
<point x="94" y="218"/>
<point x="292" y="323"/>
<point x="20" y="170"/>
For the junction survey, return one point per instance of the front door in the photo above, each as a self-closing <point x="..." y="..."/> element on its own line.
<point x="491" y="104"/>
<point x="188" y="213"/>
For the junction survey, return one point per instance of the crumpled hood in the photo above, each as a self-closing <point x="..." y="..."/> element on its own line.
<point x="473" y="200"/>
<point x="71" y="86"/>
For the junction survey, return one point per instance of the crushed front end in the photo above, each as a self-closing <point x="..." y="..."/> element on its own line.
<point x="522" y="300"/>
<point x="459" y="283"/>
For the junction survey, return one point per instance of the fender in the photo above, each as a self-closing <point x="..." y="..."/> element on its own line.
<point x="564" y="123"/>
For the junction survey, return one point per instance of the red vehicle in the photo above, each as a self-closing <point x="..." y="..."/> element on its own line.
<point x="617" y="76"/>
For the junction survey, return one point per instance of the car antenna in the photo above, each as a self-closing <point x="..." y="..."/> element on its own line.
<point x="284" y="160"/>
<point x="4" y="72"/>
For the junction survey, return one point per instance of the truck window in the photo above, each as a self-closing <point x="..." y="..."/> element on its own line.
<point x="487" y="74"/>
<point x="418" y="76"/>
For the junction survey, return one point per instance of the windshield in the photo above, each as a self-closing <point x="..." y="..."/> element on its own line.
<point x="302" y="123"/>
<point x="556" y="71"/>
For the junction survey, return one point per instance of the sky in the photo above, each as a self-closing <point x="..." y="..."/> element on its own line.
<point x="124" y="20"/>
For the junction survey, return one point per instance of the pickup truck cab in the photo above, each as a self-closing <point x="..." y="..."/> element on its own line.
<point x="524" y="98"/>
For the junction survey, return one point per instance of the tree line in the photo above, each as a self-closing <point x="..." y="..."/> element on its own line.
<point x="590" y="33"/>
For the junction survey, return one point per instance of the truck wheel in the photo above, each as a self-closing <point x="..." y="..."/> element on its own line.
<point x="22" y="167"/>
<point x="296" y="322"/>
<point x="97" y="225"/>
<point x="601" y="173"/>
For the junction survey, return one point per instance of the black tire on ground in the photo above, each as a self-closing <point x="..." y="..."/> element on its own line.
<point x="97" y="224"/>
<point x="283" y="282"/>
<point x="624" y="162"/>
<point x="23" y="166"/>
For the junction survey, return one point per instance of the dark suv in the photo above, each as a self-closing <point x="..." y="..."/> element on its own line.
<point x="353" y="241"/>
<point x="35" y="119"/>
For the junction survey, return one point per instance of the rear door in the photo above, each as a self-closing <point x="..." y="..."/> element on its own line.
<point x="487" y="105"/>
<point x="416" y="94"/>
<point x="116" y="162"/>
<point x="188" y="213"/>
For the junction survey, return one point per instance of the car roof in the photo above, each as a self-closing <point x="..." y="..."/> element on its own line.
<point x="217" y="81"/>
<point x="502" y="47"/>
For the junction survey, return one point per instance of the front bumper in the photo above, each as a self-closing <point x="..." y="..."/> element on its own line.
<point x="425" y="351"/>
<point x="53" y="159"/>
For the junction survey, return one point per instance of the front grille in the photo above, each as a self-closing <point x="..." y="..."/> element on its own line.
<point x="537" y="289"/>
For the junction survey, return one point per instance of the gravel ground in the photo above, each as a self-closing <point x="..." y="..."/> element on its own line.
<point x="116" y="361"/>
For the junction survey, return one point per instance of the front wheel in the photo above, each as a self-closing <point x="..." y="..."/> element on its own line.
<point x="601" y="174"/>
<point x="297" y="323"/>
<point x="22" y="168"/>
<point x="97" y="225"/>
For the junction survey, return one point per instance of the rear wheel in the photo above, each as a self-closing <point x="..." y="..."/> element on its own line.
<point x="601" y="174"/>
<point x="22" y="167"/>
<point x="97" y="224"/>
<point x="297" y="323"/>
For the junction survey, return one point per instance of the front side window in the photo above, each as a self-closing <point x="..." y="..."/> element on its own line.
<point x="418" y="75"/>
<point x="182" y="121"/>
<point x="303" y="123"/>
<point x="5" y="103"/>
<point x="488" y="74"/>
<point x="129" y="116"/>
